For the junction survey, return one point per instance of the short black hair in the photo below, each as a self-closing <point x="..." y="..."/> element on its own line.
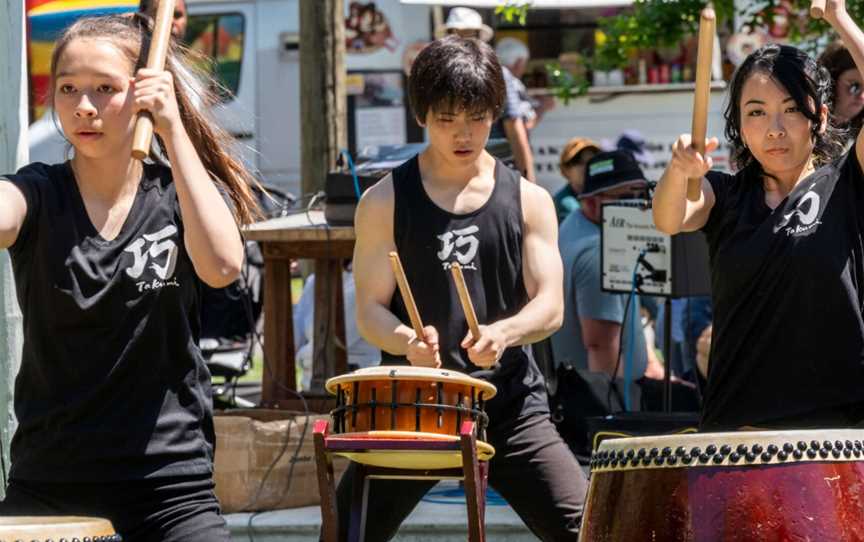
<point x="804" y="79"/>
<point x="455" y="73"/>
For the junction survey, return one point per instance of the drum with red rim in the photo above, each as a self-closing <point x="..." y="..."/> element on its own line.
<point x="413" y="403"/>
<point x="743" y="486"/>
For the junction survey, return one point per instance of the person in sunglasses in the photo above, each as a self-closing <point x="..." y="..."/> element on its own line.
<point x="848" y="89"/>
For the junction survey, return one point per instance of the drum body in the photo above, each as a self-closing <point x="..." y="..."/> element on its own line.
<point x="746" y="486"/>
<point x="408" y="399"/>
<point x="45" y="528"/>
<point x="408" y="403"/>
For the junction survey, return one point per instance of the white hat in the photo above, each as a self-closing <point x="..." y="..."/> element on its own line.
<point x="468" y="19"/>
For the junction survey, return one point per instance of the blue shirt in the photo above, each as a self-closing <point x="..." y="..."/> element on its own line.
<point x="579" y="243"/>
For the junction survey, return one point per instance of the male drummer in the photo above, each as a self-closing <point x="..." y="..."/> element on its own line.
<point x="455" y="203"/>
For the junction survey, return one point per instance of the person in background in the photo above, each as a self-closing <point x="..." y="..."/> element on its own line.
<point x="848" y="91"/>
<point x="590" y="337"/>
<point x="574" y="159"/>
<point x="360" y="353"/>
<point x="467" y="23"/>
<point x="519" y="111"/>
<point x="179" y="20"/>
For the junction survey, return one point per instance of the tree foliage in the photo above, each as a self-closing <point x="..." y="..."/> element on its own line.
<point x="652" y="23"/>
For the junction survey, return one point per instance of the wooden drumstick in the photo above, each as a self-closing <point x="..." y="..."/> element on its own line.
<point x="704" y="60"/>
<point x="155" y="61"/>
<point x="465" y="299"/>
<point x="407" y="297"/>
<point x="817" y="9"/>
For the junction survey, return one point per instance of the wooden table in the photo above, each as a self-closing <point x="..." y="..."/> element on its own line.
<point x="294" y="237"/>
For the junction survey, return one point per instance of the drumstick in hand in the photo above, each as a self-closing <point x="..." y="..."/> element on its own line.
<point x="704" y="60"/>
<point x="407" y="297"/>
<point x="155" y="61"/>
<point x="817" y="9"/>
<point x="465" y="299"/>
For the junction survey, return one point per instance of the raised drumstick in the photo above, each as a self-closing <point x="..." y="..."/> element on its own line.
<point x="817" y="9"/>
<point x="155" y="61"/>
<point x="465" y="299"/>
<point x="704" y="58"/>
<point x="407" y="297"/>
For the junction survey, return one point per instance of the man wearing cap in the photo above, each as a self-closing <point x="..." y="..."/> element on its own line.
<point x="589" y="336"/>
<point x="574" y="159"/>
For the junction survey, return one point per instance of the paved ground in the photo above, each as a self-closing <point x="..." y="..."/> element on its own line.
<point x="440" y="516"/>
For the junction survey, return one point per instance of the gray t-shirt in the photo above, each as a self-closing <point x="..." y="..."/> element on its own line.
<point x="579" y="243"/>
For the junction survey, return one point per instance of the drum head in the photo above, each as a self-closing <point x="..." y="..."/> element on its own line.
<point x="740" y="448"/>
<point x="413" y="459"/>
<point x="54" y="528"/>
<point x="409" y="372"/>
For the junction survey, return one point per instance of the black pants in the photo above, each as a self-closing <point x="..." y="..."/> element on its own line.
<point x="179" y="509"/>
<point x="532" y="469"/>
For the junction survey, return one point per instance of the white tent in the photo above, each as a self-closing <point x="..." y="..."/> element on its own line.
<point x="13" y="154"/>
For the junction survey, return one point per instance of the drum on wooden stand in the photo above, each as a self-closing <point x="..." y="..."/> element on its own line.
<point x="409" y="403"/>
<point x="54" y="528"/>
<point x="743" y="486"/>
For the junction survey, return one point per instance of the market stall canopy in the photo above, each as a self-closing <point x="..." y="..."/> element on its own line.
<point x="535" y="4"/>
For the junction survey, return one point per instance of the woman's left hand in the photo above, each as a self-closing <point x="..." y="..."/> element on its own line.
<point x="154" y="92"/>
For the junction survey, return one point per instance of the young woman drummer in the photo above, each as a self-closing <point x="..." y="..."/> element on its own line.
<point x="113" y="397"/>
<point x="786" y="239"/>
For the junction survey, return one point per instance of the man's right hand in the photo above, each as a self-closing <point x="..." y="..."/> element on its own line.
<point x="423" y="352"/>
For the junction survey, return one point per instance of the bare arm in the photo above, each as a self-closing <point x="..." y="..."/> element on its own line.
<point x="375" y="283"/>
<point x="211" y="237"/>
<point x="13" y="210"/>
<point x="601" y="339"/>
<point x="517" y="135"/>
<point x="673" y="212"/>
<point x="543" y="275"/>
<point x="853" y="39"/>
<point x="542" y="271"/>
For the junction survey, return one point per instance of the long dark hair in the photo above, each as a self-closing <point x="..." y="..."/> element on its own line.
<point x="805" y="80"/>
<point x="131" y="35"/>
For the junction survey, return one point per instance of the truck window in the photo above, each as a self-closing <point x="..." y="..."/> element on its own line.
<point x="220" y="38"/>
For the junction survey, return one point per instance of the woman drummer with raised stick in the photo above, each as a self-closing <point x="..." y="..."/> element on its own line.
<point x="786" y="240"/>
<point x="109" y="253"/>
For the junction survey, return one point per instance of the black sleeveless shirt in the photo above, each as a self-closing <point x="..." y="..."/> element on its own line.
<point x="487" y="243"/>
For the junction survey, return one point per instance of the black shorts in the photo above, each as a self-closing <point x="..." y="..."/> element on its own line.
<point x="172" y="509"/>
